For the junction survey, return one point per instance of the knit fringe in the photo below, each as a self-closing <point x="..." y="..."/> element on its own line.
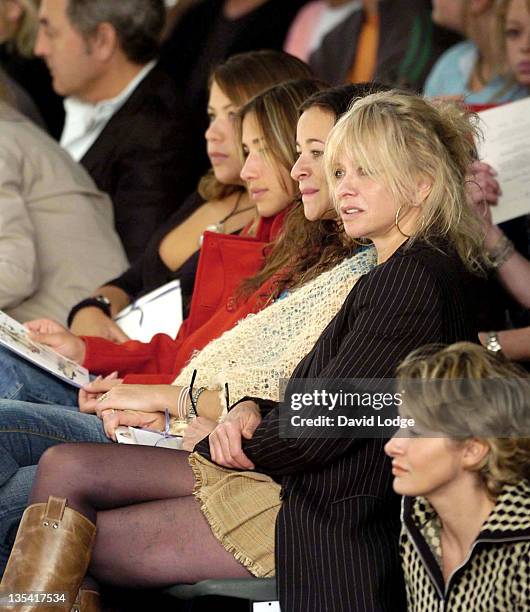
<point x="252" y="566"/>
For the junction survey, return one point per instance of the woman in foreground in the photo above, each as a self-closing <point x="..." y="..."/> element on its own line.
<point x="465" y="473"/>
<point x="413" y="209"/>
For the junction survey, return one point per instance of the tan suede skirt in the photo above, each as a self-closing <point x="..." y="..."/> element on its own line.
<point x="241" y="508"/>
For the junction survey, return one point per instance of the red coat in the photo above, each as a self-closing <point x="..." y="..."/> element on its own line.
<point x="224" y="261"/>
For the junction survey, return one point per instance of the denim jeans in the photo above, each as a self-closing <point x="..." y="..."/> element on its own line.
<point x="21" y="380"/>
<point x="26" y="431"/>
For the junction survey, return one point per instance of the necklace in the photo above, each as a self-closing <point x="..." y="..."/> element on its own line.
<point x="219" y="227"/>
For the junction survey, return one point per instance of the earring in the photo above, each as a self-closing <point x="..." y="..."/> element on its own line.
<point x="396" y="223"/>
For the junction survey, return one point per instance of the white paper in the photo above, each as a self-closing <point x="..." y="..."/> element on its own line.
<point x="266" y="606"/>
<point x="158" y="312"/>
<point x="14" y="337"/>
<point x="143" y="437"/>
<point x="506" y="146"/>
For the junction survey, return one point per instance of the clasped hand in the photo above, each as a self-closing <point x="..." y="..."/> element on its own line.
<point x="130" y="405"/>
<point x="226" y="439"/>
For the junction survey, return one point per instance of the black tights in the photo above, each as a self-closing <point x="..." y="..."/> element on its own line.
<point x="150" y="529"/>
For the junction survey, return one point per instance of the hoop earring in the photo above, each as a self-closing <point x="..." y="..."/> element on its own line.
<point x="396" y="223"/>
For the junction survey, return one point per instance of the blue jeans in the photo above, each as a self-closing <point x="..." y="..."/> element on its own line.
<point x="21" y="380"/>
<point x="26" y="431"/>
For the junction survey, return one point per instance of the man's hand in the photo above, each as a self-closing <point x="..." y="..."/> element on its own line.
<point x="197" y="430"/>
<point x="112" y="419"/>
<point x="93" y="391"/>
<point x="58" y="338"/>
<point x="225" y="441"/>
<point x="92" y="321"/>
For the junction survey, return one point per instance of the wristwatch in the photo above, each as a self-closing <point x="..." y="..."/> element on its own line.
<point x="492" y="343"/>
<point x="96" y="301"/>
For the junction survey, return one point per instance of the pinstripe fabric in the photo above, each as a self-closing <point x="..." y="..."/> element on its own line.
<point x="337" y="531"/>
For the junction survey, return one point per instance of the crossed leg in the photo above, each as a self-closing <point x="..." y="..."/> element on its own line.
<point x="151" y="531"/>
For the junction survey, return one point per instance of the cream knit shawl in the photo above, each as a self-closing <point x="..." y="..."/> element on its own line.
<point x="265" y="347"/>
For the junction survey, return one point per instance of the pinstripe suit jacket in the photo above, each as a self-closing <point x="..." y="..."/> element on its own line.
<point x="337" y="531"/>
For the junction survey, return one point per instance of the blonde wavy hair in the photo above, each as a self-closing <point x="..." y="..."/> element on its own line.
<point x="26" y="33"/>
<point x="461" y="391"/>
<point x="399" y="138"/>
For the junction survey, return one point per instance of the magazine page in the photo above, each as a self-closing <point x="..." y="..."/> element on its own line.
<point x="146" y="437"/>
<point x="14" y="337"/>
<point x="506" y="146"/>
<point x="157" y="312"/>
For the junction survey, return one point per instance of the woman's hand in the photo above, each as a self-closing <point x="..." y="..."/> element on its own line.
<point x="91" y="393"/>
<point x="197" y="430"/>
<point x="58" y="338"/>
<point x="92" y="321"/>
<point x="482" y="189"/>
<point x="225" y="441"/>
<point x="145" y="398"/>
<point x="112" y="419"/>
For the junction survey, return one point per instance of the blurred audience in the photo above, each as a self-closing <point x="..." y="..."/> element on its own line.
<point x="17" y="97"/>
<point x="514" y="32"/>
<point x="18" y="29"/>
<point x="313" y="22"/>
<point x="213" y="30"/>
<point x="392" y="41"/>
<point x="464" y="470"/>
<point x="56" y="233"/>
<point x="475" y="68"/>
<point x="124" y="120"/>
<point x="175" y="9"/>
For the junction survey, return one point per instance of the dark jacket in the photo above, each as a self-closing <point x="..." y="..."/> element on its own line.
<point x="145" y="159"/>
<point x="409" y="44"/>
<point x="338" y="528"/>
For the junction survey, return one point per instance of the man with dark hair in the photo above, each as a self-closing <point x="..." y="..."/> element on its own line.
<point x="124" y="120"/>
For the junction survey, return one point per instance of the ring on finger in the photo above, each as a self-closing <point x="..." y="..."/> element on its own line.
<point x="104" y="396"/>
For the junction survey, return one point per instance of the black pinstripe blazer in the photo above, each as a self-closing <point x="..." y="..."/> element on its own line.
<point x="337" y="531"/>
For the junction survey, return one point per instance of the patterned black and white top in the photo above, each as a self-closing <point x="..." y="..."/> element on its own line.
<point x="495" y="576"/>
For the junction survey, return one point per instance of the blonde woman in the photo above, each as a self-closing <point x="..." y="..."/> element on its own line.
<point x="18" y="30"/>
<point x="465" y="473"/>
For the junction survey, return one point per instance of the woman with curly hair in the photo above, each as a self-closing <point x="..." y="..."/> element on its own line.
<point x="465" y="474"/>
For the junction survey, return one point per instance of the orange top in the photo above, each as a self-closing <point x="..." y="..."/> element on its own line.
<point x="363" y="68"/>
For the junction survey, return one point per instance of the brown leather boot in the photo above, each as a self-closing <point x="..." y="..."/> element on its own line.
<point x="50" y="556"/>
<point x="86" y="601"/>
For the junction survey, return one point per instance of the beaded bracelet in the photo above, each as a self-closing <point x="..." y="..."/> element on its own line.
<point x="192" y="410"/>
